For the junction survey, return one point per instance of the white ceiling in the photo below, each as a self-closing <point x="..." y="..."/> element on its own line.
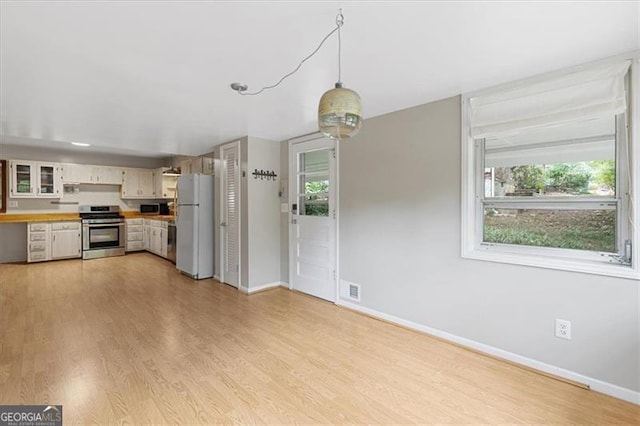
<point x="154" y="77"/>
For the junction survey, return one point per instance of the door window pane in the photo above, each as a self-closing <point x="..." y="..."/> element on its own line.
<point x="313" y="183"/>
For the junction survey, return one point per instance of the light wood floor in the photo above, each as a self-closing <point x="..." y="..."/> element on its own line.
<point x="129" y="340"/>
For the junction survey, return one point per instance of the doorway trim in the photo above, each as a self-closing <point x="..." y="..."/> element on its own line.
<point x="290" y="189"/>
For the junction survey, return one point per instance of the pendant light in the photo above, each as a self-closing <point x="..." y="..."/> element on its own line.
<point x="340" y="109"/>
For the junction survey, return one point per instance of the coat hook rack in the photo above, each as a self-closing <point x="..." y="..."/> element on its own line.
<point x="268" y="174"/>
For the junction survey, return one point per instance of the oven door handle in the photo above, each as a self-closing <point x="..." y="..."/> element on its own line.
<point x="85" y="237"/>
<point x="102" y="225"/>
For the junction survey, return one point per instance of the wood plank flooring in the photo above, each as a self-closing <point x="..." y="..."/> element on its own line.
<point x="129" y="340"/>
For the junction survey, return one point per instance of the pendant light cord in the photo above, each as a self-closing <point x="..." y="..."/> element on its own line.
<point x="339" y="23"/>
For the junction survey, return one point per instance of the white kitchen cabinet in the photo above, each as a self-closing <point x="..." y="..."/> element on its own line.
<point x="81" y="173"/>
<point x="158" y="237"/>
<point x="105" y="175"/>
<point x="197" y="165"/>
<point x="65" y="240"/>
<point x="135" y="234"/>
<point x="165" y="185"/>
<point x="38" y="242"/>
<point x="32" y="179"/>
<point x="138" y="183"/>
<point x="75" y="173"/>
<point x="145" y="235"/>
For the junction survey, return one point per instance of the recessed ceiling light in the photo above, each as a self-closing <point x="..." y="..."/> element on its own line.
<point x="80" y="144"/>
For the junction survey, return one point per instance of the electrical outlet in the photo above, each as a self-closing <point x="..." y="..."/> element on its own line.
<point x="13" y="204"/>
<point x="563" y="329"/>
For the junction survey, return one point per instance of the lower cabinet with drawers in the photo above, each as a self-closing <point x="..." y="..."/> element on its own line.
<point x="135" y="234"/>
<point x="53" y="240"/>
<point x="147" y="234"/>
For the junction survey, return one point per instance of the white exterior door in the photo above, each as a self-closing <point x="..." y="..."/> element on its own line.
<point x="230" y="215"/>
<point x="312" y="232"/>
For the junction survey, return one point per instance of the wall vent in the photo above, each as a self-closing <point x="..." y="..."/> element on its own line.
<point x="349" y="291"/>
<point x="354" y="291"/>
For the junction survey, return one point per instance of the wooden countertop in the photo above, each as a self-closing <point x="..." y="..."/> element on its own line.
<point x="38" y="217"/>
<point x="138" y="215"/>
<point x="64" y="217"/>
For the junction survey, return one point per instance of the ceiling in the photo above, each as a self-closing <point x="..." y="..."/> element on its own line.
<point x="153" y="77"/>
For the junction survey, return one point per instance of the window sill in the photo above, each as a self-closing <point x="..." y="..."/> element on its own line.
<point x="539" y="261"/>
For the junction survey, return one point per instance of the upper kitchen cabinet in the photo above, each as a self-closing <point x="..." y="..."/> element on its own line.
<point x="138" y="183"/>
<point x="81" y="173"/>
<point x="197" y="165"/>
<point x="31" y="179"/>
<point x="165" y="184"/>
<point x="106" y="175"/>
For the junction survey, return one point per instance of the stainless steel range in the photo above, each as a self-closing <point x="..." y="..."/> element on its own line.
<point x="103" y="232"/>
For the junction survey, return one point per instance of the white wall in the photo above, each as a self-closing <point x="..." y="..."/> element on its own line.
<point x="400" y="240"/>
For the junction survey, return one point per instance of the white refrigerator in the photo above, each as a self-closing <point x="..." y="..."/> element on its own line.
<point x="194" y="226"/>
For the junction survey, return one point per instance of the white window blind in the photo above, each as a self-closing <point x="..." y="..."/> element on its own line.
<point x="576" y="141"/>
<point x="582" y="95"/>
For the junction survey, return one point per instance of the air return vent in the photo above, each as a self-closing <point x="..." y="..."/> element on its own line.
<point x="349" y="291"/>
<point x="354" y="291"/>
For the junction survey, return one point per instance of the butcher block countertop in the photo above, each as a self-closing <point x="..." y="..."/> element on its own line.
<point x="38" y="217"/>
<point x="63" y="217"/>
<point x="137" y="215"/>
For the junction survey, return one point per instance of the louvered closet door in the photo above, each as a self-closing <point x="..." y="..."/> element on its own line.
<point x="230" y="225"/>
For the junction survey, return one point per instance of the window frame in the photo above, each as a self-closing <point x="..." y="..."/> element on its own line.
<point x="473" y="200"/>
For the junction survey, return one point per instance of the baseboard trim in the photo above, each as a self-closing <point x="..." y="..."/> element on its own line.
<point x="263" y="287"/>
<point x="547" y="369"/>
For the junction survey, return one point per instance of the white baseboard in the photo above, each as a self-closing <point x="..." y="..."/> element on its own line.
<point x="263" y="287"/>
<point x="217" y="278"/>
<point x="595" y="384"/>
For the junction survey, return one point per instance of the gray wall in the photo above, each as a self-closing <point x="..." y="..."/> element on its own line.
<point x="400" y="194"/>
<point x="264" y="214"/>
<point x="259" y="217"/>
<point x="13" y="243"/>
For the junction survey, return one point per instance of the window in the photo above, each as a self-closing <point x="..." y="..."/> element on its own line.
<point x="314" y="183"/>
<point x="548" y="175"/>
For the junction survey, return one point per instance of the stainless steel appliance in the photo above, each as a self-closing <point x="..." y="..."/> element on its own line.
<point x="103" y="232"/>
<point x="171" y="241"/>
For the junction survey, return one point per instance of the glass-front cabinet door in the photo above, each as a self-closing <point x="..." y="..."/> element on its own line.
<point x="23" y="179"/>
<point x="33" y="179"/>
<point x="48" y="180"/>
